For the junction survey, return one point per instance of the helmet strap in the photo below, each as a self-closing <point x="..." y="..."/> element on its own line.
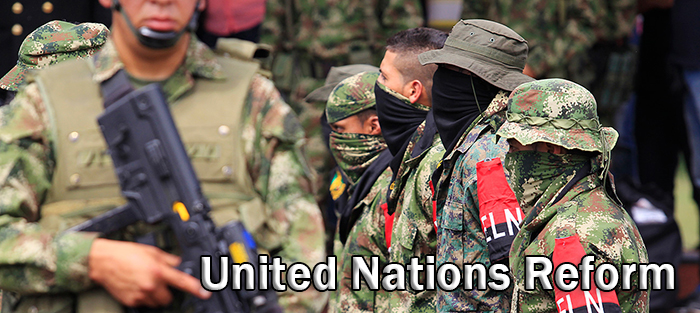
<point x="157" y="39"/>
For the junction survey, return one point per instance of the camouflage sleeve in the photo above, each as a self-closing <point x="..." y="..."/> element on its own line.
<point x="33" y="259"/>
<point x="273" y="141"/>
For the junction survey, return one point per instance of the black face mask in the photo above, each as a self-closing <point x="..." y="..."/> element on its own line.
<point x="398" y="119"/>
<point x="456" y="104"/>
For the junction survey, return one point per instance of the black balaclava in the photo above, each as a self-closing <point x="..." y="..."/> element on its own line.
<point x="398" y="118"/>
<point x="456" y="104"/>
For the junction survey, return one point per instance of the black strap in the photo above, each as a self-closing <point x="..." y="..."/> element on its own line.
<point x="583" y="172"/>
<point x="115" y="88"/>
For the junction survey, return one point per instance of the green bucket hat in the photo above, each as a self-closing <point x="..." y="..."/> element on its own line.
<point x="335" y="75"/>
<point x="351" y="96"/>
<point x="54" y="42"/>
<point x="488" y="49"/>
<point x="556" y="111"/>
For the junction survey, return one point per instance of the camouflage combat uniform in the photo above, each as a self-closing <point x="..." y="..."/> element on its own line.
<point x="51" y="43"/>
<point x="356" y="155"/>
<point x="460" y="233"/>
<point x="564" y="196"/>
<point x="461" y="239"/>
<point x="367" y="238"/>
<point x="413" y="234"/>
<point x="583" y="41"/>
<point x="38" y="259"/>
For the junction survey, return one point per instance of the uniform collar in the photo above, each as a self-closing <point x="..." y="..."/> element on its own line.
<point x="200" y="62"/>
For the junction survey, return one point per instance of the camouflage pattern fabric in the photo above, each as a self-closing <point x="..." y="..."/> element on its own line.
<point x="461" y="239"/>
<point x="366" y="239"/>
<point x="54" y="42"/>
<point x="351" y="96"/>
<point x="413" y="234"/>
<point x="556" y="111"/>
<point x="38" y="261"/>
<point x="309" y="37"/>
<point x="354" y="153"/>
<point x="605" y="231"/>
<point x="557" y="107"/>
<point x="560" y="33"/>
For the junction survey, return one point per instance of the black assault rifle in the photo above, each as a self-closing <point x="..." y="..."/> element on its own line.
<point x="160" y="184"/>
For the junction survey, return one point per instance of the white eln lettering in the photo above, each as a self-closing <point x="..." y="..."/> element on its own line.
<point x="511" y="220"/>
<point x="483" y="219"/>
<point x="568" y="302"/>
<point x="598" y="305"/>
<point x="496" y="234"/>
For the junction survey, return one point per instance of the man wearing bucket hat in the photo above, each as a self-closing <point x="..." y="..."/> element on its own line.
<point x="403" y="104"/>
<point x="558" y="165"/>
<point x="361" y="154"/>
<point x="481" y="62"/>
<point x="51" y="43"/>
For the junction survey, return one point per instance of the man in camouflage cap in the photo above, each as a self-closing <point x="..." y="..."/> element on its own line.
<point x="482" y="61"/>
<point x="558" y="165"/>
<point x="313" y="118"/>
<point x="51" y="43"/>
<point x="243" y="141"/>
<point x="360" y="151"/>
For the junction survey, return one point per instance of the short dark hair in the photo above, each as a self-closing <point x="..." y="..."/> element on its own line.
<point x="366" y="114"/>
<point x="408" y="44"/>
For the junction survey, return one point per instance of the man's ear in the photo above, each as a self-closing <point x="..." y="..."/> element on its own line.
<point x="106" y="3"/>
<point x="415" y="90"/>
<point x="373" y="126"/>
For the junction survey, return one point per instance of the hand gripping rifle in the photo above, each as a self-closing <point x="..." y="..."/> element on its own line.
<point x="160" y="184"/>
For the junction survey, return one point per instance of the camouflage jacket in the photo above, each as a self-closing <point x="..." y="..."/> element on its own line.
<point x="461" y="239"/>
<point x="559" y="33"/>
<point x="413" y="234"/>
<point x="366" y="239"/>
<point x="36" y="260"/>
<point x="604" y="229"/>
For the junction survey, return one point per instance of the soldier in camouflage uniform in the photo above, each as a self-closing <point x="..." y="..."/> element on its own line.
<point x="361" y="154"/>
<point x="558" y="168"/>
<point x="57" y="174"/>
<point x="463" y="86"/>
<point x="311" y="36"/>
<point x="403" y="104"/>
<point x="51" y="43"/>
<point x="329" y="180"/>
<point x="583" y="41"/>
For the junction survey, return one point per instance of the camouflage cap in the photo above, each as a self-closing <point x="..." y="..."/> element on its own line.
<point x="488" y="49"/>
<point x="335" y="75"/>
<point x="556" y="111"/>
<point x="54" y="42"/>
<point x="351" y="96"/>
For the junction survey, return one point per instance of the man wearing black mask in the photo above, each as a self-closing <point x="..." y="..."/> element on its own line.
<point x="403" y="104"/>
<point x="482" y="61"/>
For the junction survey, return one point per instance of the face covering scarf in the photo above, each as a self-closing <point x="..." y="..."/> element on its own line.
<point x="398" y="118"/>
<point x="354" y="153"/>
<point x="456" y="104"/>
<point x="537" y="176"/>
